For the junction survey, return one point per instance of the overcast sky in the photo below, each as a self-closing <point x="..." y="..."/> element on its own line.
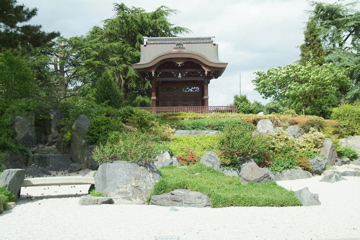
<point x="252" y="35"/>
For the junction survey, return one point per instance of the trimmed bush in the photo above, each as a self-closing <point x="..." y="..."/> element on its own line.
<point x="348" y="117"/>
<point x="346" y="152"/>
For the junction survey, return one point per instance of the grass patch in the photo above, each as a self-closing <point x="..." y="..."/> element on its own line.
<point x="223" y="191"/>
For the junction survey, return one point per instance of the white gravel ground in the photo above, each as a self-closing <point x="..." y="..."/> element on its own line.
<point x="55" y="215"/>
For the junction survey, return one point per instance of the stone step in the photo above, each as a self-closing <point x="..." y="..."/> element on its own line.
<point x="52" y="181"/>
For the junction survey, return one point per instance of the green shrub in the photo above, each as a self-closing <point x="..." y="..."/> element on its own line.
<point x="142" y="120"/>
<point x="310" y="142"/>
<point x="127" y="146"/>
<point x="348" y="117"/>
<point x="346" y="152"/>
<point x="318" y="125"/>
<point x="100" y="128"/>
<point x="223" y="191"/>
<point x="282" y="163"/>
<point x="239" y="144"/>
<point x="6" y="197"/>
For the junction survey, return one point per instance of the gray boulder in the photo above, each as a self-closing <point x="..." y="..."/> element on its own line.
<point x="89" y="161"/>
<point x="351" y="142"/>
<point x="331" y="177"/>
<point x="307" y="198"/>
<point x="264" y="126"/>
<point x="350" y="173"/>
<point x="195" y="132"/>
<point x="91" y="200"/>
<point x="74" y="167"/>
<point x="24" y="133"/>
<point x="357" y="162"/>
<point x="251" y="172"/>
<point x="230" y="172"/>
<point x="165" y="159"/>
<point x="294" y="131"/>
<point x="181" y="198"/>
<point x="36" y="171"/>
<point x="52" y="162"/>
<point x="80" y="148"/>
<point x="329" y="152"/>
<point x="127" y="181"/>
<point x="292" y="174"/>
<point x="342" y="161"/>
<point x="210" y="159"/>
<point x="318" y="164"/>
<point x="12" y="180"/>
<point x="12" y="160"/>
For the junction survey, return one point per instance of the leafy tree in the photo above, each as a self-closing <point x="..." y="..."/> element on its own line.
<point x="309" y="88"/>
<point x="339" y="26"/>
<point x="25" y="36"/>
<point x="116" y="45"/>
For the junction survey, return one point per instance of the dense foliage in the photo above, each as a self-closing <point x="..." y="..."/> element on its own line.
<point x="6" y="196"/>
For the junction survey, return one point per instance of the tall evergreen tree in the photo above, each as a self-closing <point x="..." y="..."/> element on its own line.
<point x="13" y="35"/>
<point x="312" y="48"/>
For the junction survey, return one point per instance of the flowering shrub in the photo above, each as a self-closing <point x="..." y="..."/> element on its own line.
<point x="310" y="142"/>
<point x="190" y="158"/>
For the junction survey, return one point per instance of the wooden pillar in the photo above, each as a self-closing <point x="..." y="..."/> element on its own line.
<point x="206" y="93"/>
<point x="153" y="96"/>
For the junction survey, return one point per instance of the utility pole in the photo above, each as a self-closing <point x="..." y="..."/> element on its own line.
<point x="240" y="83"/>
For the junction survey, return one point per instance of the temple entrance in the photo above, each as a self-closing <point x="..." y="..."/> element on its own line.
<point x="180" y="94"/>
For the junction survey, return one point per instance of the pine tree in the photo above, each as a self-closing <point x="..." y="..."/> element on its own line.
<point x="108" y="92"/>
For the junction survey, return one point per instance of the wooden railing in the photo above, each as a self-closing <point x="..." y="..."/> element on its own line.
<point x="196" y="109"/>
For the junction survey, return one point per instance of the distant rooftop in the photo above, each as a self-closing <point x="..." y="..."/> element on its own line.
<point x="175" y="40"/>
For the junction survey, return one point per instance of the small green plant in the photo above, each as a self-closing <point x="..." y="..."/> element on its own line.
<point x="100" y="128"/>
<point x="6" y="197"/>
<point x="97" y="193"/>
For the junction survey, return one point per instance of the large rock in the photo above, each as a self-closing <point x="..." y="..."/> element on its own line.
<point x="56" y="116"/>
<point x="129" y="182"/>
<point x="329" y="152"/>
<point x="1" y="207"/>
<point x="251" y="172"/>
<point x="331" y="177"/>
<point x="91" y="200"/>
<point x="52" y="162"/>
<point x="74" y="167"/>
<point x="351" y="142"/>
<point x="342" y="161"/>
<point x="80" y="148"/>
<point x="294" y="131"/>
<point x="89" y="161"/>
<point x="165" y="159"/>
<point x="181" y="198"/>
<point x="292" y="174"/>
<point x="12" y="180"/>
<point x="195" y="132"/>
<point x="307" y="198"/>
<point x="264" y="126"/>
<point x="24" y="133"/>
<point x="318" y="164"/>
<point x="36" y="171"/>
<point x="230" y="172"/>
<point x="210" y="159"/>
<point x="12" y="160"/>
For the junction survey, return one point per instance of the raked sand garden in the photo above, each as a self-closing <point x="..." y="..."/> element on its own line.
<point x="54" y="213"/>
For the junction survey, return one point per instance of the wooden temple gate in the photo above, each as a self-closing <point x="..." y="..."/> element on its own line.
<point x="179" y="70"/>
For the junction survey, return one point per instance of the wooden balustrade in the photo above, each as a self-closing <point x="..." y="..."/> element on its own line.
<point x="196" y="109"/>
